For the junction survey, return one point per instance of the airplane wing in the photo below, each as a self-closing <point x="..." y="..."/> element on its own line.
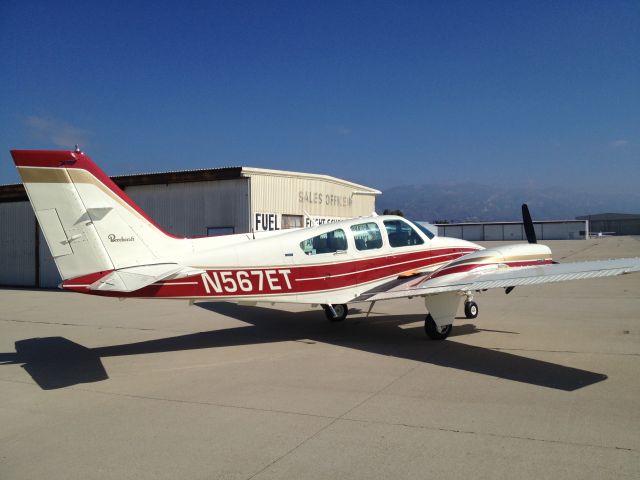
<point x="500" y="277"/>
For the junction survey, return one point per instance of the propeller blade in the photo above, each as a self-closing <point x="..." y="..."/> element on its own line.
<point x="528" y="224"/>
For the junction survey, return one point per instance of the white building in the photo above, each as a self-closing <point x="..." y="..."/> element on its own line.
<point x="190" y="203"/>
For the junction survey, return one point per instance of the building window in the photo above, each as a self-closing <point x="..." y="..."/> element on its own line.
<point x="367" y="236"/>
<point x="217" y="231"/>
<point x="329" y="242"/>
<point x="401" y="234"/>
<point x="292" y="221"/>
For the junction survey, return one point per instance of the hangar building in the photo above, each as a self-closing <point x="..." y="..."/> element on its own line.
<point x="192" y="203"/>
<point x="613" y="223"/>
<point x="504" y="231"/>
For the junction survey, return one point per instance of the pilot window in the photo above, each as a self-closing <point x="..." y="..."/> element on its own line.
<point x="367" y="236"/>
<point x="329" y="242"/>
<point x="401" y="234"/>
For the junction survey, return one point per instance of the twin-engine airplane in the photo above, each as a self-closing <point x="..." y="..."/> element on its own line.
<point x="104" y="244"/>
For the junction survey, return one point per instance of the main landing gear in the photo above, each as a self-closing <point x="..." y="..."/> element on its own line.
<point x="444" y="308"/>
<point x="337" y="312"/>
<point x="433" y="331"/>
<point x="470" y="309"/>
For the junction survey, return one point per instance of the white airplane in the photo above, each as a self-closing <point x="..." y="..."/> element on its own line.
<point x="104" y="244"/>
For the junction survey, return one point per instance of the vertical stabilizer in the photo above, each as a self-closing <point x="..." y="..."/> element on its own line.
<point x="89" y="223"/>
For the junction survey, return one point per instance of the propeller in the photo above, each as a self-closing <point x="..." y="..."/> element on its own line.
<point x="528" y="224"/>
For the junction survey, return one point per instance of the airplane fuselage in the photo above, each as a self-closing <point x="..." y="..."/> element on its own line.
<point x="277" y="268"/>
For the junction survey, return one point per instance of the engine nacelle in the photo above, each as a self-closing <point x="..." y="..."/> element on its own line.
<point x="504" y="256"/>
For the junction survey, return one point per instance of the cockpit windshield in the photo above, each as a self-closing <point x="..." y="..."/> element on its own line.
<point x="422" y="228"/>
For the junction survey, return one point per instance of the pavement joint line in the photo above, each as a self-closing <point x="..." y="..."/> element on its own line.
<point x="64" y="324"/>
<point x="336" y="419"/>
<point x="177" y="400"/>
<point x="586" y="249"/>
<point x="615" y="354"/>
<point x="23" y="382"/>
<point x="203" y="403"/>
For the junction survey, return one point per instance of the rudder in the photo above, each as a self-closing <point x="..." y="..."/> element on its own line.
<point x="90" y="224"/>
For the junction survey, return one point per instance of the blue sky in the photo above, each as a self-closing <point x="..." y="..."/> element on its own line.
<point x="381" y="93"/>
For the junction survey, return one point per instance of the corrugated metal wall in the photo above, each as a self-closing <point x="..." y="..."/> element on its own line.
<point x="570" y="230"/>
<point x="17" y="244"/>
<point x="295" y="195"/>
<point x="49" y="276"/>
<point x="187" y="209"/>
<point x="616" y="226"/>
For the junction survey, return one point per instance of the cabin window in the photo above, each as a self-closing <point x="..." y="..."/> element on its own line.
<point x="401" y="234"/>
<point x="329" y="242"/>
<point x="423" y="228"/>
<point x="367" y="236"/>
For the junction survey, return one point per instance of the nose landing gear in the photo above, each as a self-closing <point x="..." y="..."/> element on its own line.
<point x="337" y="312"/>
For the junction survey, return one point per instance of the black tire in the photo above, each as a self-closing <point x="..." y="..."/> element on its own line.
<point x="470" y="309"/>
<point x="341" y="310"/>
<point x="432" y="330"/>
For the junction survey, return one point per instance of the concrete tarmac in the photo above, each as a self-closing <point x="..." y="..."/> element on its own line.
<point x="545" y="383"/>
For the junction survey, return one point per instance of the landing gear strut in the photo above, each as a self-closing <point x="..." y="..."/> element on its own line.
<point x="337" y="312"/>
<point x="433" y="331"/>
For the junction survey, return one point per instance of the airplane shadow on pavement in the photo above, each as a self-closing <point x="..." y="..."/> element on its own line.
<point x="56" y="362"/>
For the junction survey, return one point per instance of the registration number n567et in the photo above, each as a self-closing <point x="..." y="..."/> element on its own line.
<point x="246" y="281"/>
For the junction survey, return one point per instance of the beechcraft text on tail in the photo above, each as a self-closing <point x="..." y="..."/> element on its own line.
<point x="104" y="244"/>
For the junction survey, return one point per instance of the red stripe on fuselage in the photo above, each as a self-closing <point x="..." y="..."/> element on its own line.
<point x="285" y="280"/>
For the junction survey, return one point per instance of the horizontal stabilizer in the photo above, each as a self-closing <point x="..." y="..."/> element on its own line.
<point x="134" y="278"/>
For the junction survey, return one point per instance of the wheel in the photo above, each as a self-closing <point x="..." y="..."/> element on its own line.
<point x="470" y="309"/>
<point x="433" y="331"/>
<point x="341" y="312"/>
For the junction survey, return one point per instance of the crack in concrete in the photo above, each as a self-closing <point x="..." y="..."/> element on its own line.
<point x="564" y="351"/>
<point x="490" y="434"/>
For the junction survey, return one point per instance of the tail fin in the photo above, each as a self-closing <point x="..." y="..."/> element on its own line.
<point x="89" y="223"/>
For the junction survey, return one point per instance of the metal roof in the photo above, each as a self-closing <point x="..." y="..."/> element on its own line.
<point x="16" y="192"/>
<point x="250" y="171"/>
<point x="610" y="216"/>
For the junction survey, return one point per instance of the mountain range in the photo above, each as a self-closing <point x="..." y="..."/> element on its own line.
<point x="471" y="202"/>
